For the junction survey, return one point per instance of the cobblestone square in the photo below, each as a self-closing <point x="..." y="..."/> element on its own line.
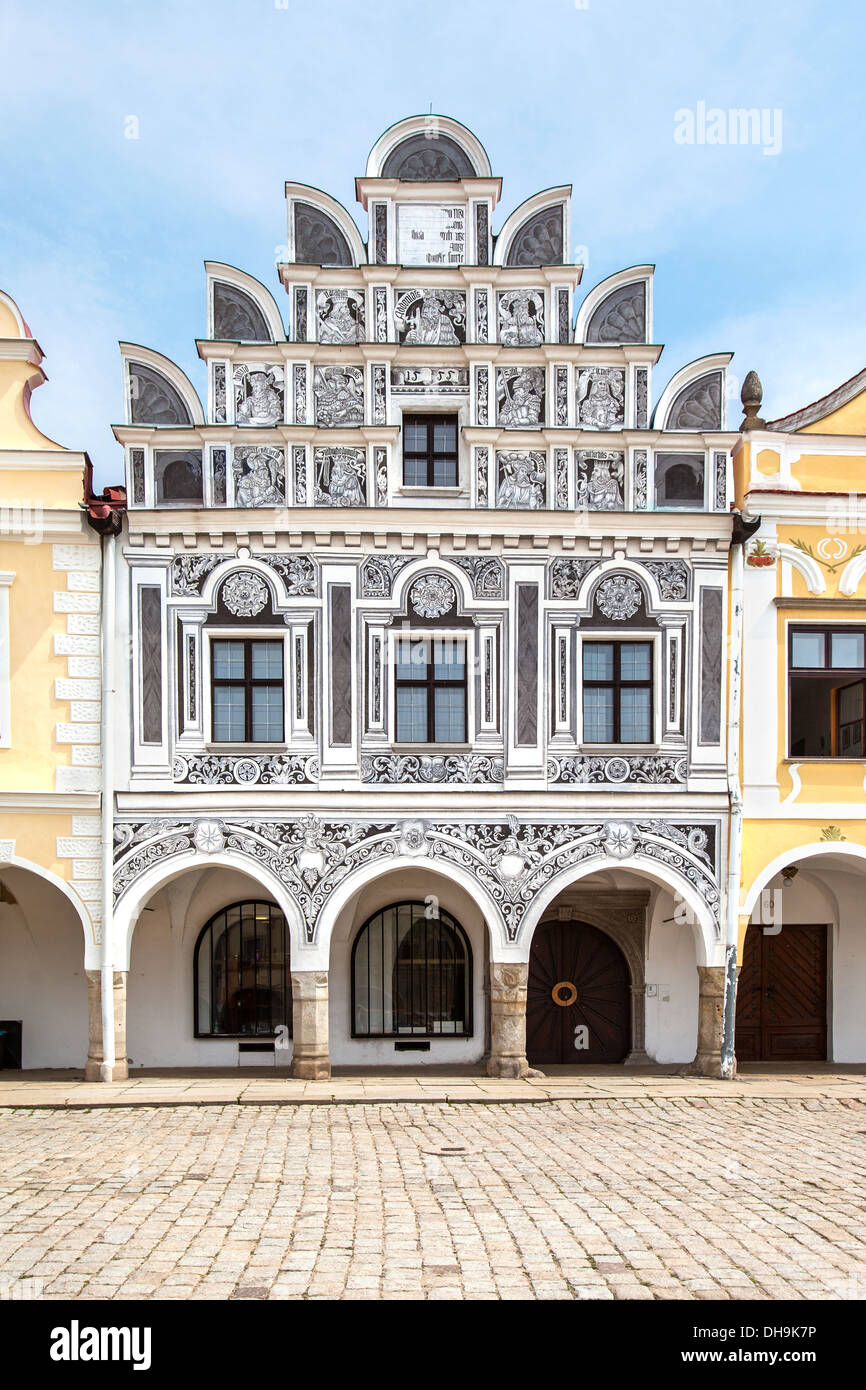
<point x="649" y="1198"/>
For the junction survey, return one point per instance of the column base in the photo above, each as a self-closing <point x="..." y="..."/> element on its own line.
<point x="511" y="1068"/>
<point x="709" y="1064"/>
<point x="638" y="1057"/>
<point x="311" y="1068"/>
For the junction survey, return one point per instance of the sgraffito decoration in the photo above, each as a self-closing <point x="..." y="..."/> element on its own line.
<point x="511" y="862"/>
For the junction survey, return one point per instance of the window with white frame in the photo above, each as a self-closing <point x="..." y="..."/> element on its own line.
<point x="827" y="692"/>
<point x="617" y="691"/>
<point x="247" y="690"/>
<point x="430" y="692"/>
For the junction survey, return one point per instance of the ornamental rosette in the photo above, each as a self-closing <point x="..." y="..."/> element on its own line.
<point x="618" y="597"/>
<point x="432" y="596"/>
<point x="244" y="594"/>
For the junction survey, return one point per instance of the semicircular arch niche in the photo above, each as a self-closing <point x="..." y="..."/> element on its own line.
<point x="318" y="238"/>
<point x="620" y="317"/>
<point x="153" y="399"/>
<point x="698" y="406"/>
<point x="428" y="158"/>
<point x="236" y="315"/>
<point x="539" y="241"/>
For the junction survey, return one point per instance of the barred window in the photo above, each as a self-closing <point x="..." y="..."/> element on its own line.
<point x="243" y="986"/>
<point x="411" y="975"/>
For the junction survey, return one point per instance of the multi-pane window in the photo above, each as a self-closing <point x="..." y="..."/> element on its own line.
<point x="430" y="450"/>
<point x="242" y="972"/>
<point x="247" y="685"/>
<point x="827" y="689"/>
<point x="617" y="692"/>
<point x="430" y="690"/>
<point x="411" y="974"/>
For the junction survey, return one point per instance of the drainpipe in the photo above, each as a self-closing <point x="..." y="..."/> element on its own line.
<point x="741" y="533"/>
<point x="106" y="1070"/>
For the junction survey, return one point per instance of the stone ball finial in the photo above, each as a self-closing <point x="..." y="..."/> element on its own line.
<point x="751" y="395"/>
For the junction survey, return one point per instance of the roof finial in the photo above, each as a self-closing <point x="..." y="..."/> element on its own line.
<point x="752" y="395"/>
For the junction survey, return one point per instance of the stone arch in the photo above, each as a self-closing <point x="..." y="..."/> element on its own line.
<point x="44" y="966"/>
<point x="807" y="567"/>
<point x="130" y="903"/>
<point x="88" y="927"/>
<point x="708" y="945"/>
<point x="842" y="849"/>
<point x="369" y="873"/>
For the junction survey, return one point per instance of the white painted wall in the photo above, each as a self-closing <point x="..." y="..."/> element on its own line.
<point x="403" y="886"/>
<point x="672" y="1015"/>
<point x="42" y="980"/>
<point x="160" y="1024"/>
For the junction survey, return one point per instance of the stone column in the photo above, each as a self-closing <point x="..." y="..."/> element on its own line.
<point x="638" y="1055"/>
<point x="711" y="1007"/>
<point x="311" y="1058"/>
<point x="508" y="1020"/>
<point x="120" y="1071"/>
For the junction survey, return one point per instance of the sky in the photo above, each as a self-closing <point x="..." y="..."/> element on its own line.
<point x="758" y="245"/>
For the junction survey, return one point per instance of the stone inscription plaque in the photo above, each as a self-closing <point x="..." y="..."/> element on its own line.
<point x="431" y="234"/>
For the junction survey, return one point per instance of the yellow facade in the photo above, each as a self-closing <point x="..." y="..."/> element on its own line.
<point x="50" y="668"/>
<point x="805" y="477"/>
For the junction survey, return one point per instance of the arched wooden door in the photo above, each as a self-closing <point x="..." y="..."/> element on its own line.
<point x="578" y="1006"/>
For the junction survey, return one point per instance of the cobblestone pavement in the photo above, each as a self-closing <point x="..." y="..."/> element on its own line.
<point x="630" y="1198"/>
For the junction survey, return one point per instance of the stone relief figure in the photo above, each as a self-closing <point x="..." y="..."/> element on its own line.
<point x="340" y="478"/>
<point x="520" y="397"/>
<point x="521" y="479"/>
<point x="260" y="477"/>
<point x="521" y="318"/>
<point x="258" y="395"/>
<point x="434" y="317"/>
<point x="341" y="316"/>
<point x="600" y="482"/>
<point x="339" y="396"/>
<point x="601" y="397"/>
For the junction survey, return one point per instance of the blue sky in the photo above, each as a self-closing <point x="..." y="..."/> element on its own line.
<point x="102" y="238"/>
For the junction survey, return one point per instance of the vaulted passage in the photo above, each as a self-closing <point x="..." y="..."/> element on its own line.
<point x="782" y="995"/>
<point x="578" y="1005"/>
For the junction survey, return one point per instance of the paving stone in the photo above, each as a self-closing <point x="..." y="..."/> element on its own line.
<point x="623" y="1196"/>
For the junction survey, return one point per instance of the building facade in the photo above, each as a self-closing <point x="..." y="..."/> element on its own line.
<point x="420" y="749"/>
<point x="51" y="880"/>
<point x="803" y="963"/>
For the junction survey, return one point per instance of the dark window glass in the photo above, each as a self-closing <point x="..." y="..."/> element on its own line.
<point x="242" y="980"/>
<point x="679" y="480"/>
<point x="617" y="692"/>
<point x="411" y="975"/>
<point x="430" y="690"/>
<point x="827" y="692"/>
<point x="247" y="691"/>
<point x="430" y="450"/>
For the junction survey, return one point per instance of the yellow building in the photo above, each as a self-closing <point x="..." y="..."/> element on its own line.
<point x="802" y="945"/>
<point x="50" y="689"/>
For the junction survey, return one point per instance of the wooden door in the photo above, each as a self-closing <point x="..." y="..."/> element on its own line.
<point x="578" y="980"/>
<point x="782" y="996"/>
